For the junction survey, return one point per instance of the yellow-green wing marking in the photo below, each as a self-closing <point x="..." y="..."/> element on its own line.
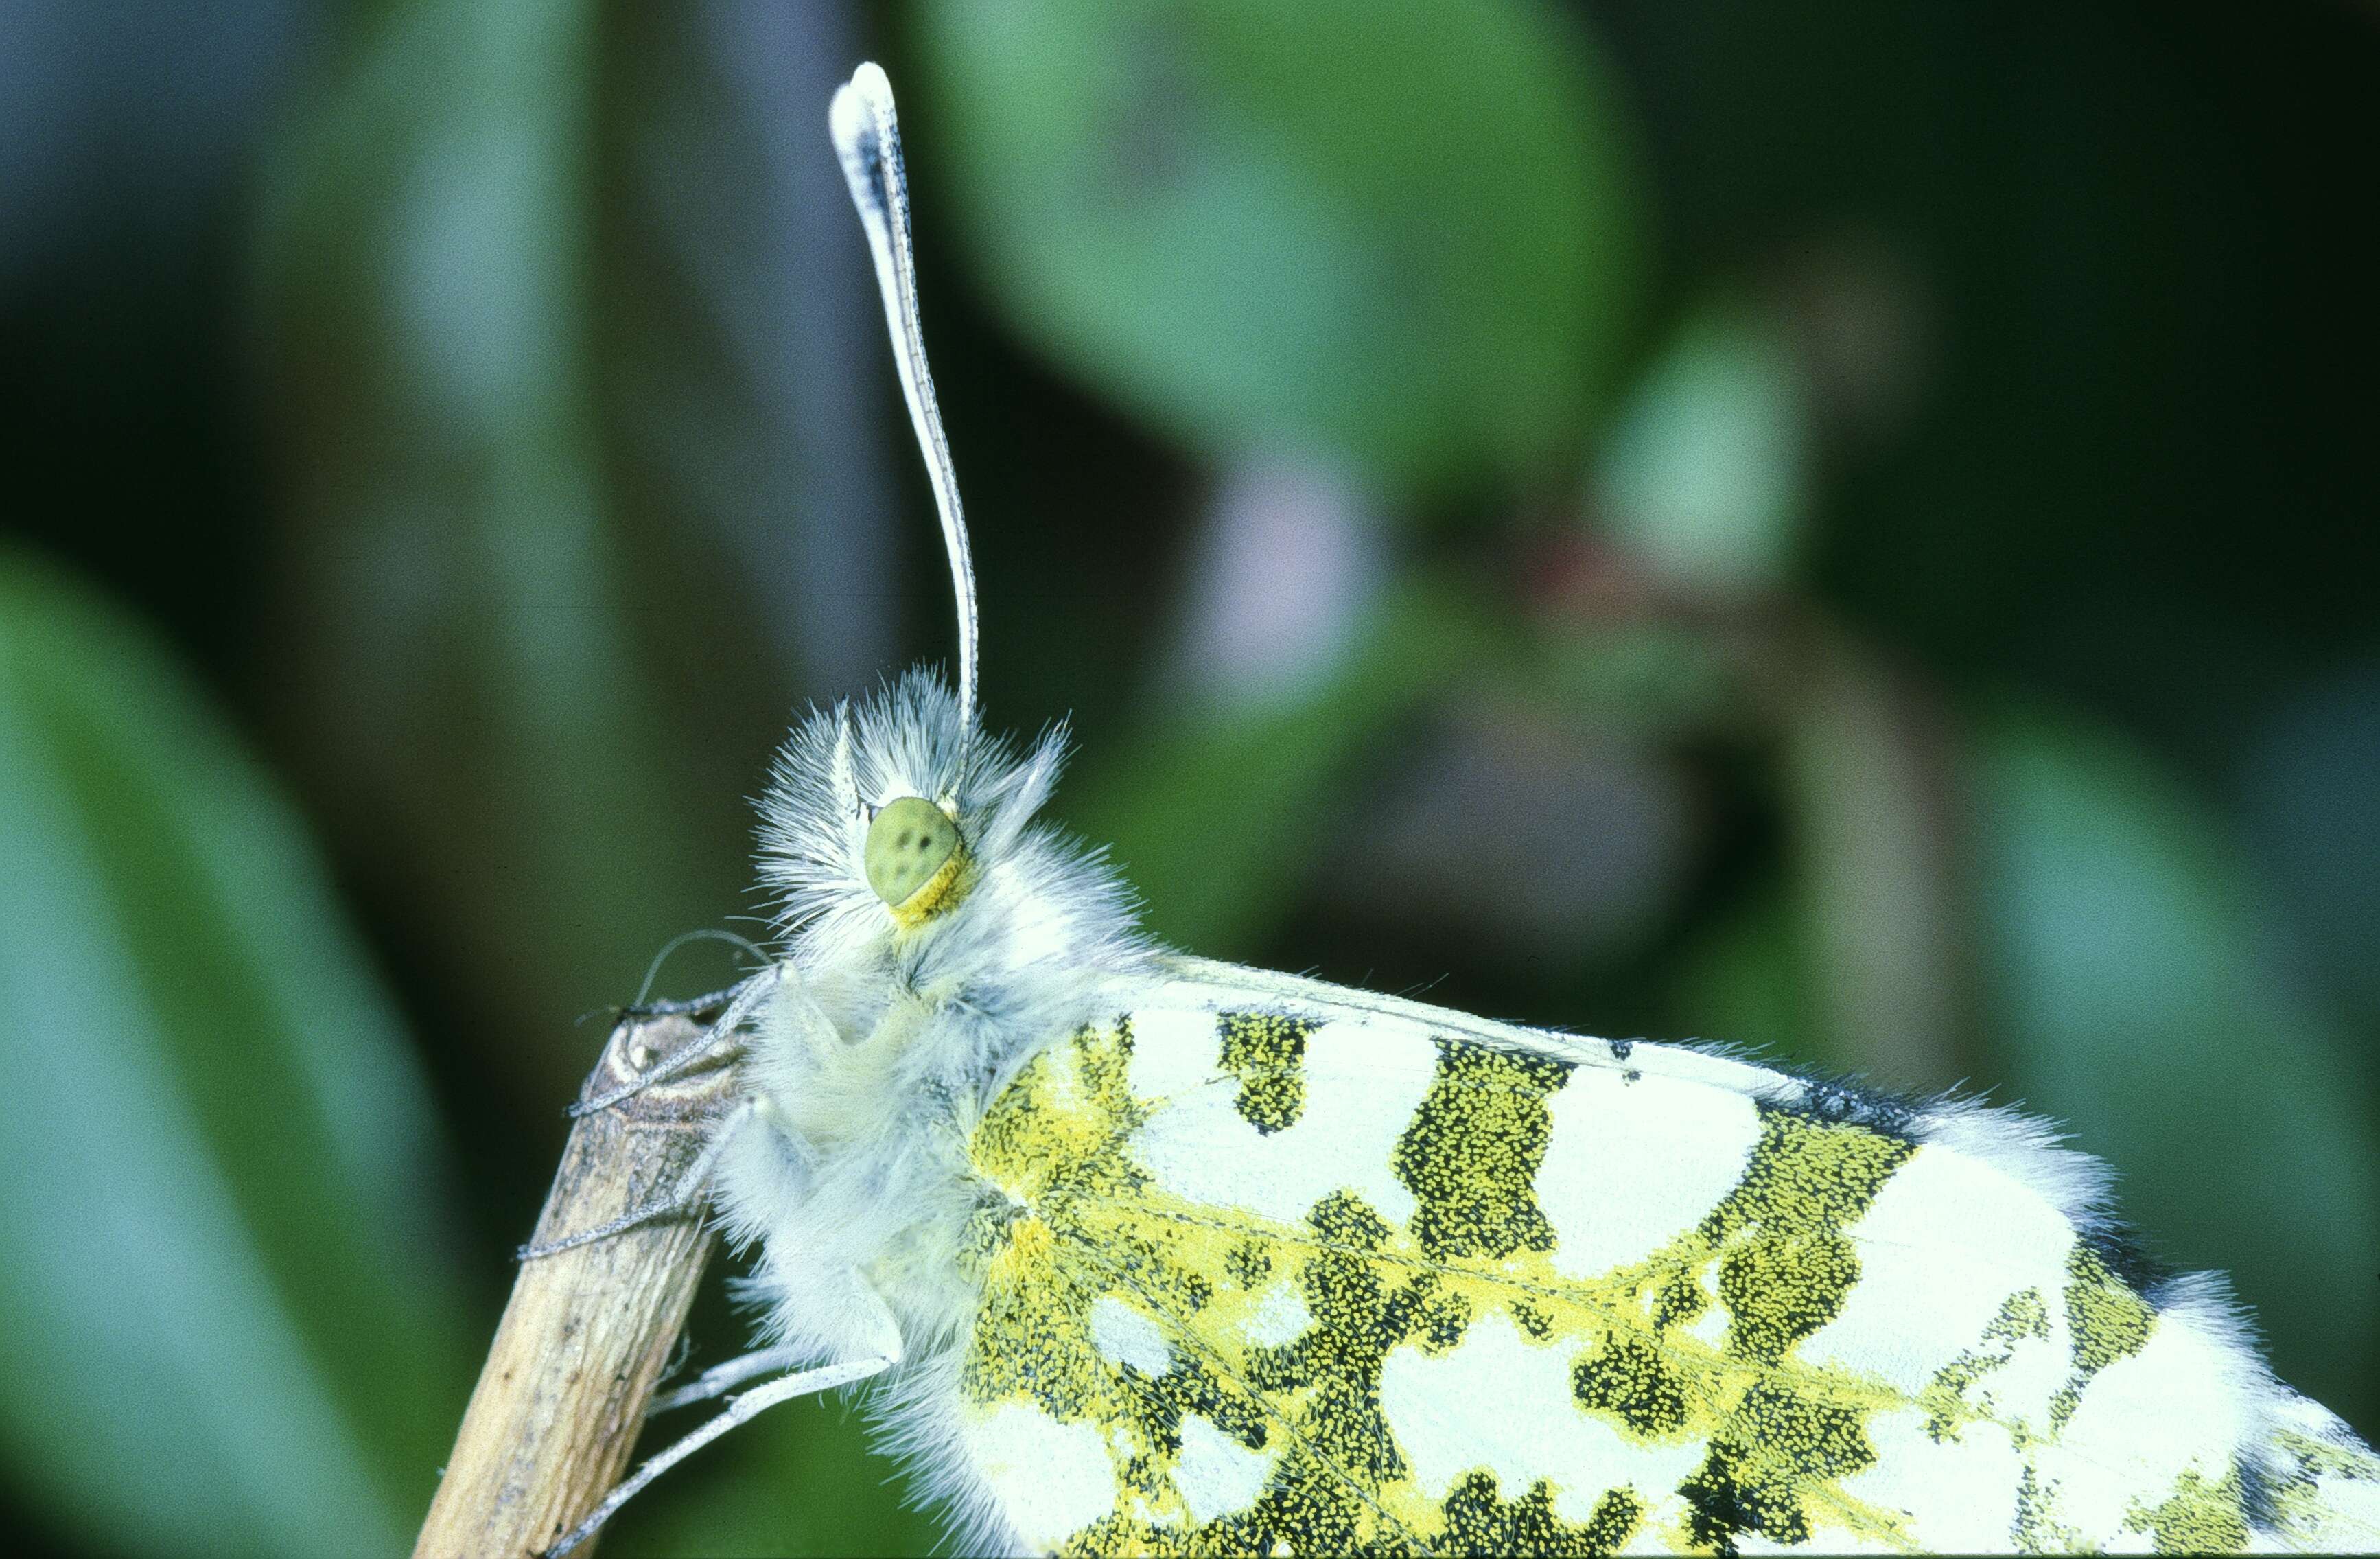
<point x="1275" y="1267"/>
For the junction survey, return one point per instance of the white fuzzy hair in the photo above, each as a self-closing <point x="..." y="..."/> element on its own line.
<point x="879" y="1049"/>
<point x="2026" y="1148"/>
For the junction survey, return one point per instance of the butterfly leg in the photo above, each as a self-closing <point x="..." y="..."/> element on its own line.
<point x="724" y="1038"/>
<point x="726" y="1377"/>
<point x="688" y="1196"/>
<point x="740" y="1409"/>
<point x="713" y="1001"/>
<point x="681" y="1006"/>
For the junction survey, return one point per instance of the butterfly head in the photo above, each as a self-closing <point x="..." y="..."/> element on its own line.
<point x="894" y="817"/>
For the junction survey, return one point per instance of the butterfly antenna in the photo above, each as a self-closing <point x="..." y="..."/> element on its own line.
<point x="867" y="136"/>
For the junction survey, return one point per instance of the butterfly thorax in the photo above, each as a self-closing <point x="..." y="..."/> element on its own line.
<point x="889" y="1034"/>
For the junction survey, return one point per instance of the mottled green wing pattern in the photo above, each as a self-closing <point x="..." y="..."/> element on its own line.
<point x="1273" y="1267"/>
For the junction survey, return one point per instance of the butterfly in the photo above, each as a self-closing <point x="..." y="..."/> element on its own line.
<point x="1146" y="1253"/>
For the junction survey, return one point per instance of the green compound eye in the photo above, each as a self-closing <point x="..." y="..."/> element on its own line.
<point x="910" y="842"/>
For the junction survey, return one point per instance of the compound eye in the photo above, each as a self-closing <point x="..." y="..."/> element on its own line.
<point x="908" y="843"/>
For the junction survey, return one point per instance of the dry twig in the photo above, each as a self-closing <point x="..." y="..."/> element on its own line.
<point x="588" y="1331"/>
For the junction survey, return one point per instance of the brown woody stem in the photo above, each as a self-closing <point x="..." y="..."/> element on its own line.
<point x="588" y="1331"/>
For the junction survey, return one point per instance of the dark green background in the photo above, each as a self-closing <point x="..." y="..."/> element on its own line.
<point x="1840" y="528"/>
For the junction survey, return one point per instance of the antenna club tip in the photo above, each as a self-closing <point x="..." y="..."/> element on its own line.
<point x="866" y="96"/>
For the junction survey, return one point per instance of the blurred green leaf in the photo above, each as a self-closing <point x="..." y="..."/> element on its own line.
<point x="1401" y="235"/>
<point x="1217" y="819"/>
<point x="1705" y="478"/>
<point x="466" y="667"/>
<point x="2137" y="1002"/>
<point x="231" y="1323"/>
<point x="2311" y="779"/>
<point x="804" y="1479"/>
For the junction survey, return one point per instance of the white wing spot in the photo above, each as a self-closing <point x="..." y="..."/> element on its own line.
<point x="1051" y="1480"/>
<point x="1172" y="1051"/>
<point x="1710" y="1327"/>
<point x="1630" y="1166"/>
<point x="1123" y="1336"/>
<point x="1364" y="1081"/>
<point x="1280" y="1316"/>
<point x="2141" y="1423"/>
<point x="1940" y="1249"/>
<point x="1216" y="1474"/>
<point x="1502" y="1403"/>
<point x="1949" y="1490"/>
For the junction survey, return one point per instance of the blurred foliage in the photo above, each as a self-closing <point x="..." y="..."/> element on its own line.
<point x="225" y="1256"/>
<point x="1218" y="818"/>
<point x="1701" y="480"/>
<point x="1265" y="224"/>
<point x="463" y="632"/>
<point x="1837" y="528"/>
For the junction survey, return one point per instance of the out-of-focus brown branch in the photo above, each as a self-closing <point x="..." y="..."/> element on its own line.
<point x="588" y="1331"/>
<point x="1872" y="783"/>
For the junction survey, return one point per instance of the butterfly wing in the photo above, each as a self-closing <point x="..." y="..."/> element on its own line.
<point x="1285" y="1267"/>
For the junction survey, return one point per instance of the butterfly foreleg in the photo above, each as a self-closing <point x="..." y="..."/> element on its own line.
<point x="721" y="1040"/>
<point x="690" y="1195"/>
<point x="722" y="1377"/>
<point x="740" y="1409"/>
<point x="685" y="1007"/>
<point x="640" y="1008"/>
